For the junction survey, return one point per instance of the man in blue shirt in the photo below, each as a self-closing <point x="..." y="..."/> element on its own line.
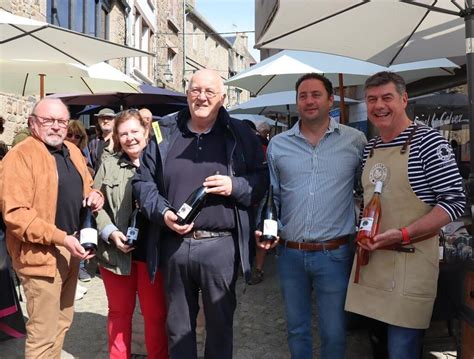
<point x="313" y="169"/>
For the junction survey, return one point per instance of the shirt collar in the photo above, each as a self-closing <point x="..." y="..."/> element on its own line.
<point x="334" y="126"/>
<point x="62" y="151"/>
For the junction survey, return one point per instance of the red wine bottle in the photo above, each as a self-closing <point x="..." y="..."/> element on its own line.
<point x="193" y="205"/>
<point x="269" y="219"/>
<point x="88" y="233"/>
<point x="132" y="230"/>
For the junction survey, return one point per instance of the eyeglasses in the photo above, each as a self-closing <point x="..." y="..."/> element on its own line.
<point x="195" y="92"/>
<point x="77" y="137"/>
<point x="50" y="121"/>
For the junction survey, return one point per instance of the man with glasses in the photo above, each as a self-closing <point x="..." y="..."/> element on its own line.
<point x="195" y="144"/>
<point x="44" y="184"/>
<point x="102" y="146"/>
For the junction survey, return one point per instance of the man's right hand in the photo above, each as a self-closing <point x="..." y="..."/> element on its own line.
<point x="170" y="220"/>
<point x="265" y="244"/>
<point x="74" y="247"/>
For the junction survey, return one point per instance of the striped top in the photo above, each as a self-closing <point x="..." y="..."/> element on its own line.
<point x="313" y="185"/>
<point x="432" y="171"/>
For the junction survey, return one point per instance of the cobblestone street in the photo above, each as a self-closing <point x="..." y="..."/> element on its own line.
<point x="260" y="327"/>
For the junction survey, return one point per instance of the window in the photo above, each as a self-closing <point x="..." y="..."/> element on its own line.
<point x="90" y="17"/>
<point x="171" y="57"/>
<point x="143" y="40"/>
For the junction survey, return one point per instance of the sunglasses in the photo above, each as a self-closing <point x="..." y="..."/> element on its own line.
<point x="77" y="137"/>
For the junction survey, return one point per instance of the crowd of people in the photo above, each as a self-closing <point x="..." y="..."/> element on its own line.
<point x="135" y="175"/>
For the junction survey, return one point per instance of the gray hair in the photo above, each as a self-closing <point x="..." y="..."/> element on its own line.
<point x="385" y="77"/>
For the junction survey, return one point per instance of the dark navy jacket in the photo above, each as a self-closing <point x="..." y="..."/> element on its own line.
<point x="249" y="173"/>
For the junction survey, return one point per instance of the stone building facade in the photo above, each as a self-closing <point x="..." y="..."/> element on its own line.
<point x="181" y="39"/>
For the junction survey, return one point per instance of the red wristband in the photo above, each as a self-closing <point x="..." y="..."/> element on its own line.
<point x="405" y="236"/>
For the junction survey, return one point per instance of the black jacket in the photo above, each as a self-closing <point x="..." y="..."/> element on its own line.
<point x="247" y="169"/>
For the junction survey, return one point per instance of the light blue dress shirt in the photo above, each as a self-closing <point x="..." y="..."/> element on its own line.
<point x="313" y="185"/>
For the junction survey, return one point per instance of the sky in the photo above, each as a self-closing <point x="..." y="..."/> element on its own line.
<point x="231" y="16"/>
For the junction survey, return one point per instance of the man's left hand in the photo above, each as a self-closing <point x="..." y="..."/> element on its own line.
<point x="95" y="200"/>
<point x="218" y="184"/>
<point x="391" y="236"/>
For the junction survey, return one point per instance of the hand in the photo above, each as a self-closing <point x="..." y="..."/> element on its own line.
<point x="95" y="200"/>
<point x="170" y="220"/>
<point x="218" y="184"/>
<point x="74" y="247"/>
<point x="119" y="239"/>
<point x="265" y="244"/>
<point x="391" y="236"/>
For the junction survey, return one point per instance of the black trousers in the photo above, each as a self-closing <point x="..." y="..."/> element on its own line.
<point x="206" y="265"/>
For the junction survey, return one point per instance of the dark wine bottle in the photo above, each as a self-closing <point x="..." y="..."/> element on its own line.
<point x="269" y="219"/>
<point x="88" y="234"/>
<point x="132" y="230"/>
<point x="191" y="208"/>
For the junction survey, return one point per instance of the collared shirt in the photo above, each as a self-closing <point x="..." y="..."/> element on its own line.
<point x="192" y="158"/>
<point x="69" y="202"/>
<point x="313" y="185"/>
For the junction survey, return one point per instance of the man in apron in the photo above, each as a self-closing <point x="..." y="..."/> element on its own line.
<point x="422" y="191"/>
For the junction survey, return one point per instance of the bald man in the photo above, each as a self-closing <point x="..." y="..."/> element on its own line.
<point x="45" y="184"/>
<point x="197" y="143"/>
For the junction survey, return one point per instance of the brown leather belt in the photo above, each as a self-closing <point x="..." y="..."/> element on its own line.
<point x="199" y="234"/>
<point x="316" y="246"/>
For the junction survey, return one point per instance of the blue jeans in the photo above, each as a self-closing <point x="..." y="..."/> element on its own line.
<point x="327" y="272"/>
<point x="404" y="342"/>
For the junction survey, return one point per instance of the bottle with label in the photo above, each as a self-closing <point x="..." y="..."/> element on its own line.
<point x="88" y="233"/>
<point x="369" y="224"/>
<point x="191" y="208"/>
<point x="269" y="219"/>
<point x="132" y="230"/>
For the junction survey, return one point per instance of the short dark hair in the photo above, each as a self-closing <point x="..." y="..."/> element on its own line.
<point x="314" y="76"/>
<point x="385" y="77"/>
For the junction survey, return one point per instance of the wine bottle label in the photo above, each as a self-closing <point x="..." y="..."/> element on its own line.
<point x="441" y="252"/>
<point x="184" y="211"/>
<point x="88" y="235"/>
<point x="132" y="234"/>
<point x="366" y="224"/>
<point x="270" y="227"/>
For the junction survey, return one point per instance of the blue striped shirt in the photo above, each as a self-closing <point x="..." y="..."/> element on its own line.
<point x="432" y="170"/>
<point x="313" y="185"/>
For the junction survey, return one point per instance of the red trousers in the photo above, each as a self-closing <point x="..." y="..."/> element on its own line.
<point x="121" y="292"/>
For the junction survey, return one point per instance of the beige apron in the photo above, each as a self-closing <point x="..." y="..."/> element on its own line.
<point x="395" y="287"/>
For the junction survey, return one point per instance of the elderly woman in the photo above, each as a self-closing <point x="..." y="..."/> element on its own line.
<point x="124" y="267"/>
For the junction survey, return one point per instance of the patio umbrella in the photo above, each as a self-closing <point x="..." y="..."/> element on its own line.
<point x="258" y="118"/>
<point x="278" y="102"/>
<point x="26" y="39"/>
<point x="24" y="78"/>
<point x="281" y="71"/>
<point x="382" y="32"/>
<point x="147" y="95"/>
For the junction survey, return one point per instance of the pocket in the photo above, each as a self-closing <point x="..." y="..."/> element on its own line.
<point x="380" y="272"/>
<point x="421" y="270"/>
<point x="341" y="254"/>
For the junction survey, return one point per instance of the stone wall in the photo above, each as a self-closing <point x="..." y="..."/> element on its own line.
<point x="15" y="111"/>
<point x="33" y="9"/>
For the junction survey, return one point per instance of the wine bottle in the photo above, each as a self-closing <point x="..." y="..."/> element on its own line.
<point x="369" y="224"/>
<point x="268" y="219"/>
<point x="132" y="230"/>
<point x="88" y="234"/>
<point x="191" y="208"/>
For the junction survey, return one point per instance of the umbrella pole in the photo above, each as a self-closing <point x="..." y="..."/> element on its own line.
<point x="469" y="22"/>
<point x="42" y="76"/>
<point x="342" y="118"/>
